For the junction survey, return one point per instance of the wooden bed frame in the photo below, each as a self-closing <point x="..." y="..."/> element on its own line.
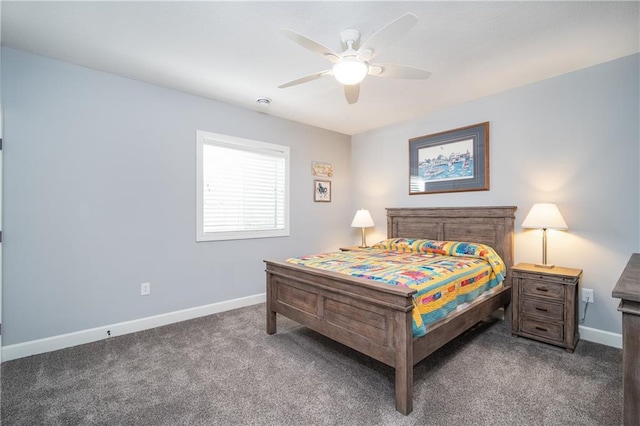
<point x="375" y="318"/>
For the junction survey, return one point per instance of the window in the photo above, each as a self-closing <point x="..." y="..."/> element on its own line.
<point x="242" y="188"/>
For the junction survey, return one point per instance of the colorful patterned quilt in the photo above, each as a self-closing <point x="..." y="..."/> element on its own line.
<point x="444" y="273"/>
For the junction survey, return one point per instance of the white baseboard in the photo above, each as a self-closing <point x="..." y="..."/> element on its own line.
<point x="34" y="347"/>
<point x="599" y="336"/>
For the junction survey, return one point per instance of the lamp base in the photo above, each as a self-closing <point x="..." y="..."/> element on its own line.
<point x="545" y="265"/>
<point x="364" y="240"/>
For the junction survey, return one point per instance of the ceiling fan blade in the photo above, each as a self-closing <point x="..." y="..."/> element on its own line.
<point x="389" y="33"/>
<point x="398" y="71"/>
<point x="304" y="79"/>
<point x="309" y="44"/>
<point x="352" y="93"/>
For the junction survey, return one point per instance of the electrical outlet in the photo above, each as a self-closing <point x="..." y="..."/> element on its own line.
<point x="145" y="289"/>
<point x="587" y="295"/>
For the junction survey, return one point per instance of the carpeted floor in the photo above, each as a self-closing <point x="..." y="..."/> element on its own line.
<point x="225" y="370"/>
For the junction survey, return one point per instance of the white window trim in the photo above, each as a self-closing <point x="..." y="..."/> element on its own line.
<point x="203" y="137"/>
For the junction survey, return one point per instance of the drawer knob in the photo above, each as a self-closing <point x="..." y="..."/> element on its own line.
<point x="541" y="328"/>
<point x="542" y="309"/>
<point x="542" y="288"/>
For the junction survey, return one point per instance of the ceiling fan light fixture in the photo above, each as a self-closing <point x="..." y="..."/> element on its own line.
<point x="350" y="70"/>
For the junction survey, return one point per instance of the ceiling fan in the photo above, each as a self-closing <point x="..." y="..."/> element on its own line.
<point x="352" y="65"/>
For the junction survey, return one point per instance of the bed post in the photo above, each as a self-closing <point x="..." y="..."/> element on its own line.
<point x="404" y="362"/>
<point x="271" y="315"/>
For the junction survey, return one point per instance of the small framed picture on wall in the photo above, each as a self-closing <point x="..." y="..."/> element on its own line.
<point x="322" y="191"/>
<point x="321" y="169"/>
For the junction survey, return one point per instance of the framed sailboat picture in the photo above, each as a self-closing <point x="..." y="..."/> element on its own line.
<point x="451" y="161"/>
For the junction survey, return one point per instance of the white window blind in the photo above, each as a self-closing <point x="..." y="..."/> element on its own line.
<point x="243" y="189"/>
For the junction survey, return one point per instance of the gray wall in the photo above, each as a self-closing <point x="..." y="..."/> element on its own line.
<point x="572" y="140"/>
<point x="99" y="196"/>
<point x="99" y="189"/>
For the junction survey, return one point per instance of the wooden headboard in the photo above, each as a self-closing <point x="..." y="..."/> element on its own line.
<point x="486" y="225"/>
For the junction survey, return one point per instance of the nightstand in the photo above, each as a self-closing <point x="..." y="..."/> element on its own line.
<point x="350" y="248"/>
<point x="545" y="304"/>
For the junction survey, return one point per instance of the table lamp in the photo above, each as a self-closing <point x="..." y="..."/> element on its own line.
<point x="544" y="216"/>
<point x="363" y="220"/>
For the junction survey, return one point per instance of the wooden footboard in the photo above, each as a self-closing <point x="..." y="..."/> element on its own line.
<point x="372" y="318"/>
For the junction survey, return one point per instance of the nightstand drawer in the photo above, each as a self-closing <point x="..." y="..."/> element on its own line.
<point x="543" y="289"/>
<point x="543" y="329"/>
<point x="541" y="308"/>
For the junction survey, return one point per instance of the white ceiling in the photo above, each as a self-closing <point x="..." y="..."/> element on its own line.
<point x="231" y="50"/>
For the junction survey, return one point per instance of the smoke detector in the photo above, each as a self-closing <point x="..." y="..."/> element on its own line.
<point x="263" y="102"/>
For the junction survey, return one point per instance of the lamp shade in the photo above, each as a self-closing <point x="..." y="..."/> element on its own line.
<point x="544" y="216"/>
<point x="362" y="219"/>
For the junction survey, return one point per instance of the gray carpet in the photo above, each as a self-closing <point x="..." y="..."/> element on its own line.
<point x="225" y="370"/>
